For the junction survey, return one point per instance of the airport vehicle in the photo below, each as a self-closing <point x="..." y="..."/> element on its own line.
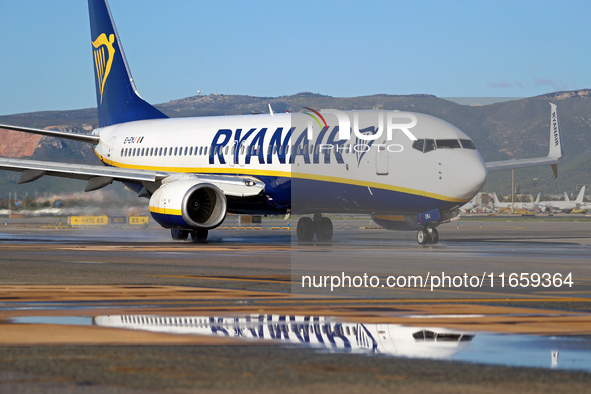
<point x="318" y="331"/>
<point x="567" y="204"/>
<point x="196" y="170"/>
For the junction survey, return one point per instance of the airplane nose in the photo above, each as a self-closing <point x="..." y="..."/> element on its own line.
<point x="470" y="176"/>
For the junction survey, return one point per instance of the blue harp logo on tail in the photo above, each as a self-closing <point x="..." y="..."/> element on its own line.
<point x="103" y="59"/>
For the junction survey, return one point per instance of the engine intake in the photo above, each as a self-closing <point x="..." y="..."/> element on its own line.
<point x="188" y="204"/>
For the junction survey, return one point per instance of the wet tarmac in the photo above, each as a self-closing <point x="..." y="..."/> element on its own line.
<point x="335" y="335"/>
<point x="64" y="289"/>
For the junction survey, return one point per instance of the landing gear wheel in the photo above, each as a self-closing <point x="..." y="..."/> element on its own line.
<point x="433" y="236"/>
<point x="324" y="230"/>
<point x="199" y="235"/>
<point x="306" y="229"/>
<point x="422" y="236"/>
<point x="179" y="235"/>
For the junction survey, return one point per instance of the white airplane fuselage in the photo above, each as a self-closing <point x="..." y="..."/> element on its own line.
<point x="320" y="174"/>
<point x="319" y="331"/>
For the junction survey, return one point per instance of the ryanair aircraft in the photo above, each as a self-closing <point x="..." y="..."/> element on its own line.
<point x="409" y="171"/>
<point x="316" y="331"/>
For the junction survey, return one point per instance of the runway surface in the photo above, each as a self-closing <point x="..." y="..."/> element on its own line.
<point x="52" y="277"/>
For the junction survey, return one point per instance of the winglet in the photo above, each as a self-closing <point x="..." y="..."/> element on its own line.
<point x="555" y="153"/>
<point x="554" y="170"/>
<point x="556" y="149"/>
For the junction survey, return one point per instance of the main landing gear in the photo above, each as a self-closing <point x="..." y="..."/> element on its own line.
<point x="319" y="226"/>
<point x="199" y="235"/>
<point x="428" y="235"/>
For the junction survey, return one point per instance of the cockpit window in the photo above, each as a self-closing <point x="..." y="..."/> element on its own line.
<point x="418" y="145"/>
<point x="429" y="336"/>
<point x="429" y="145"/>
<point x="448" y="337"/>
<point x="448" y="144"/>
<point x="468" y="144"/>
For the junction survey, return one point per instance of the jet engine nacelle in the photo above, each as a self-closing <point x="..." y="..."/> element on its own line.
<point x="188" y="204"/>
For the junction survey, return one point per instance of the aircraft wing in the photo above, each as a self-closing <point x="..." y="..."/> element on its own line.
<point x="100" y="176"/>
<point x="95" y="175"/>
<point x="556" y="151"/>
<point x="520" y="163"/>
<point x="88" y="138"/>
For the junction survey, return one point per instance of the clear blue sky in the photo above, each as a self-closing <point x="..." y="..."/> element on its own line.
<point x="275" y="48"/>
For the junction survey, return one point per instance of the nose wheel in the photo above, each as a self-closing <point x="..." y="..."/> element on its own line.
<point x="427" y="236"/>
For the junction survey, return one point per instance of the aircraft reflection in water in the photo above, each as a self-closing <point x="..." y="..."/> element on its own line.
<point x="318" y="331"/>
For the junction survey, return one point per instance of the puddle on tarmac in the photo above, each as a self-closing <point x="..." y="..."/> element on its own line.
<point x="334" y="335"/>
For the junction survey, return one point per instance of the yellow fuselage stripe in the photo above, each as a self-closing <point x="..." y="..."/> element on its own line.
<point x="286" y="174"/>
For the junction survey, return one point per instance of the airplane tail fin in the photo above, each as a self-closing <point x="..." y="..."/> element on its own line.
<point x="580" y="196"/>
<point x="496" y="201"/>
<point x="537" y="200"/>
<point x="566" y="197"/>
<point x="117" y="97"/>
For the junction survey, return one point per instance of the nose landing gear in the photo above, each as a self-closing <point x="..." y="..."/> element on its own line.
<point x="428" y="235"/>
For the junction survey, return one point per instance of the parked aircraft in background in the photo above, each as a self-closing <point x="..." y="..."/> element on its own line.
<point x="517" y="205"/>
<point x="566" y="204"/>
<point x="409" y="171"/>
